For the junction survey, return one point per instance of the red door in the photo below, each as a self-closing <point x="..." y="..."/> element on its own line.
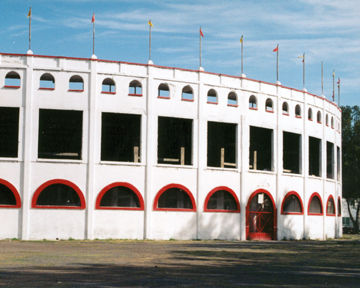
<point x="260" y="218"/>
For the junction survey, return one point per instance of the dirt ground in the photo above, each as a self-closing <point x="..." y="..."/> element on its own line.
<point x="115" y="263"/>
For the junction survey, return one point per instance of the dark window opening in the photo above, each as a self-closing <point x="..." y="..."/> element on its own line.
<point x="187" y="93"/>
<point x="58" y="195"/>
<point x="261" y="149"/>
<point x="292" y="204"/>
<point x="339" y="207"/>
<point x="9" y="131"/>
<point x="222" y="200"/>
<point x="120" y="196"/>
<point x="212" y="96"/>
<point x="327" y="120"/>
<point x="310" y="116"/>
<point x="108" y="86"/>
<point x="175" y="198"/>
<point x="221" y="143"/>
<point x="163" y="91"/>
<point x="330" y="207"/>
<point x="285" y="108"/>
<point x="232" y="99"/>
<point x="174" y="141"/>
<point x="297" y="111"/>
<point x="269" y="105"/>
<point x="135" y="88"/>
<point x="315" y="206"/>
<point x="120" y="137"/>
<point x="12" y="80"/>
<point x="338" y="163"/>
<point x="318" y="117"/>
<point x="330" y="160"/>
<point x="60" y="134"/>
<point x="332" y="122"/>
<point x="252" y="102"/>
<point x="76" y="83"/>
<point x="47" y="81"/>
<point x="314" y="156"/>
<point x="291" y="153"/>
<point x="6" y="196"/>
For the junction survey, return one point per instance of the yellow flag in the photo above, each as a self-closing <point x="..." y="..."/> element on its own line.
<point x="150" y="23"/>
<point x="29" y="14"/>
<point x="242" y="39"/>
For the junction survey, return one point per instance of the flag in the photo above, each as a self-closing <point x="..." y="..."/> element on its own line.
<point x="29" y="14"/>
<point x="301" y="57"/>
<point x="276" y="49"/>
<point x="93" y="18"/>
<point x="338" y="82"/>
<point x="201" y="33"/>
<point x="150" y="23"/>
<point x="242" y="39"/>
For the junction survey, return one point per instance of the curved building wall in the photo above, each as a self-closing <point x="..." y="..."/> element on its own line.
<point x="91" y="174"/>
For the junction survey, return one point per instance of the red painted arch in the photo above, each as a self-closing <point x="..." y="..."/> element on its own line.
<point x="274" y="236"/>
<point x="301" y="204"/>
<point x="15" y="193"/>
<point x="173" y="185"/>
<point x="117" y="184"/>
<point x="330" y="197"/>
<point x="58" y="181"/>
<point x="232" y="193"/>
<point x="322" y="207"/>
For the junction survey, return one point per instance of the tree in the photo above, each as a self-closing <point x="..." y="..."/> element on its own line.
<point x="351" y="160"/>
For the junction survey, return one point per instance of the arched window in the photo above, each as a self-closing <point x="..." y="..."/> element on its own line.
<point x="310" y="116"/>
<point x="108" y="86"/>
<point x="232" y="99"/>
<point x="164" y="91"/>
<point x="120" y="196"/>
<point x="315" y="205"/>
<point x="174" y="197"/>
<point x="135" y="88"/>
<point x="221" y="199"/>
<point x="212" y="97"/>
<point x="339" y="207"/>
<point x="187" y="93"/>
<point x="269" y="107"/>
<point x="297" y="111"/>
<point x="292" y="204"/>
<point x="12" y="80"/>
<point x="9" y="196"/>
<point x="76" y="84"/>
<point x="252" y="102"/>
<point x="330" y="207"/>
<point x="47" y="82"/>
<point x="318" y="117"/>
<point x="285" y="108"/>
<point x="327" y="120"/>
<point x="58" y="194"/>
<point x="332" y="122"/>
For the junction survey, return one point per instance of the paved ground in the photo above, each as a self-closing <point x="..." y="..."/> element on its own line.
<point x="113" y="263"/>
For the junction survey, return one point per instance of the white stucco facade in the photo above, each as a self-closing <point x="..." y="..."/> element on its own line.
<point x="90" y="174"/>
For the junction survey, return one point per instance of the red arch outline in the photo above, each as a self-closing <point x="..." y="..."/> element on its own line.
<point x="331" y="197"/>
<point x="339" y="209"/>
<point x="232" y="193"/>
<point x="58" y="181"/>
<point x="301" y="204"/>
<point x="173" y="185"/>
<point x="117" y="184"/>
<point x="322" y="208"/>
<point x="15" y="193"/>
<point x="274" y="236"/>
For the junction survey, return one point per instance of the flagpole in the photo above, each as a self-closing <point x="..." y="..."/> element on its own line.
<point x="304" y="71"/>
<point x="277" y="63"/>
<point x="150" y="40"/>
<point x="93" y="50"/>
<point x="200" y="49"/>
<point x="242" y="55"/>
<point x="322" y="78"/>
<point x="333" y="95"/>
<point x="339" y="92"/>
<point x="30" y="29"/>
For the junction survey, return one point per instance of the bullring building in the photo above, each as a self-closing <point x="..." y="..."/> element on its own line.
<point x="102" y="149"/>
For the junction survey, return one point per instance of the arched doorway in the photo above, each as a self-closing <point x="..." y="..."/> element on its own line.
<point x="261" y="216"/>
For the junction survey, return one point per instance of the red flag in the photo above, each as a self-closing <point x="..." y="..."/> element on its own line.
<point x="93" y="18"/>
<point x="338" y="82"/>
<point x="276" y="49"/>
<point x="201" y="33"/>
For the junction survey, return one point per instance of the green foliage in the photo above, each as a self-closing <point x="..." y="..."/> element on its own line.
<point x="351" y="159"/>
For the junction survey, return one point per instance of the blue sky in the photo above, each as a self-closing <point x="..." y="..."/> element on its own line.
<point x="326" y="30"/>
